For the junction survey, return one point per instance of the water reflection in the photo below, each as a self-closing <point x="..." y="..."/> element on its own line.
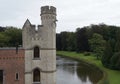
<point x="72" y="72"/>
<point x="86" y="72"/>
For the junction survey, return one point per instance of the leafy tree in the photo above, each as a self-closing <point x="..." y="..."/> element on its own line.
<point x="97" y="44"/>
<point x="58" y="42"/>
<point x="2" y="29"/>
<point x="117" y="46"/>
<point x="111" y="57"/>
<point x="82" y="40"/>
<point x="108" y="53"/>
<point x="64" y="40"/>
<point x="115" y="60"/>
<point x="98" y="28"/>
<point x="112" y="32"/>
<point x="15" y="36"/>
<point x="112" y="43"/>
<point x="3" y="40"/>
<point x="71" y="39"/>
<point x="10" y="36"/>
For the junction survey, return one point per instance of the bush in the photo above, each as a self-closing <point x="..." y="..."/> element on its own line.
<point x="115" y="60"/>
<point x="87" y="53"/>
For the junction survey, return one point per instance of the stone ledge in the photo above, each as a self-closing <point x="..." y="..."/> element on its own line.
<point x="12" y="48"/>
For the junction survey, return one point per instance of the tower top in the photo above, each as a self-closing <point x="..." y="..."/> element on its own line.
<point x="48" y="10"/>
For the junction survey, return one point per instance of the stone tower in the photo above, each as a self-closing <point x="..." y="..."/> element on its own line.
<point x="40" y="48"/>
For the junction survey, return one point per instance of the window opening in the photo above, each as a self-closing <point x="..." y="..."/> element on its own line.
<point x="1" y="76"/>
<point x="36" y="52"/>
<point x="36" y="75"/>
<point x="16" y="76"/>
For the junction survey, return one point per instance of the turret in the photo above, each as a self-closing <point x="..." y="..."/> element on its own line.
<point x="48" y="15"/>
<point x="48" y="10"/>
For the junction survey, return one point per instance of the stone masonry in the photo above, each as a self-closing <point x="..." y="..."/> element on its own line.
<point x="43" y="38"/>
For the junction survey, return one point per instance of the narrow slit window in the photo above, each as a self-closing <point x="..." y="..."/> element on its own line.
<point x="16" y="76"/>
<point x="36" y="52"/>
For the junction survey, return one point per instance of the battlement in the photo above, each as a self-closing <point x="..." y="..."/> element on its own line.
<point x="48" y="10"/>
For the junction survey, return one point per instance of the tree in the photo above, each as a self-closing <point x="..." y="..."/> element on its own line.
<point x="97" y="45"/>
<point x="82" y="40"/>
<point x="115" y="61"/>
<point x="15" y="35"/>
<point x="2" y="29"/>
<point x="64" y="40"/>
<point x="108" y="53"/>
<point x="71" y="39"/>
<point x="58" y="42"/>
<point x="10" y="37"/>
<point x="117" y="45"/>
<point x="3" y="40"/>
<point x="112" y="30"/>
<point x="112" y="43"/>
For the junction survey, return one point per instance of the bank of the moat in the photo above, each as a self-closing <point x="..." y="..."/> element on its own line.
<point x="90" y="69"/>
<point x="70" y="71"/>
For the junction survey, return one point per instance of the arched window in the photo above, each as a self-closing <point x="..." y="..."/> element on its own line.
<point x="36" y="75"/>
<point x="36" y="52"/>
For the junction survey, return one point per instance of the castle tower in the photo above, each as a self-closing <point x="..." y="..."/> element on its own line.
<point x="40" y="48"/>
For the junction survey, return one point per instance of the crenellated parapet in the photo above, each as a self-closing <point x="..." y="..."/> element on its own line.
<point x="48" y="10"/>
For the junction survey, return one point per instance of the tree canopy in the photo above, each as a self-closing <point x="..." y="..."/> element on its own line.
<point x="10" y="37"/>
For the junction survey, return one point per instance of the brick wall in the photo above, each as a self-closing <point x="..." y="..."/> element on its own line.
<point x="12" y="63"/>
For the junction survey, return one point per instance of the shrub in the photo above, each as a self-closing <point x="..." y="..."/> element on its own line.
<point x="115" y="60"/>
<point x="87" y="53"/>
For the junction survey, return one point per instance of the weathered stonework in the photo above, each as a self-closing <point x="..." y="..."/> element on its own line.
<point x="45" y="39"/>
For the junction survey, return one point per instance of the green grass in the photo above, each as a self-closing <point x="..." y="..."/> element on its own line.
<point x="113" y="75"/>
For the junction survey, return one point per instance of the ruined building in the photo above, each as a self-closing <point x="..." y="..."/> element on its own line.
<point x="35" y="62"/>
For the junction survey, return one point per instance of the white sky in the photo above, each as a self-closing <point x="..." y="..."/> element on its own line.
<point x="71" y="14"/>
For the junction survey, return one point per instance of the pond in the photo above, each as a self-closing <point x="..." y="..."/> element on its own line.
<point x="73" y="72"/>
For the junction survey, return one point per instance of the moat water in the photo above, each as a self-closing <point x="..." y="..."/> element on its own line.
<point x="73" y="72"/>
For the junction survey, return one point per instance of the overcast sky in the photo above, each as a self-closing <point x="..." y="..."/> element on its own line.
<point x="71" y="14"/>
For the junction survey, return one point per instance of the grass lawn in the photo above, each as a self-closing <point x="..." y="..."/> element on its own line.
<point x="113" y="75"/>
